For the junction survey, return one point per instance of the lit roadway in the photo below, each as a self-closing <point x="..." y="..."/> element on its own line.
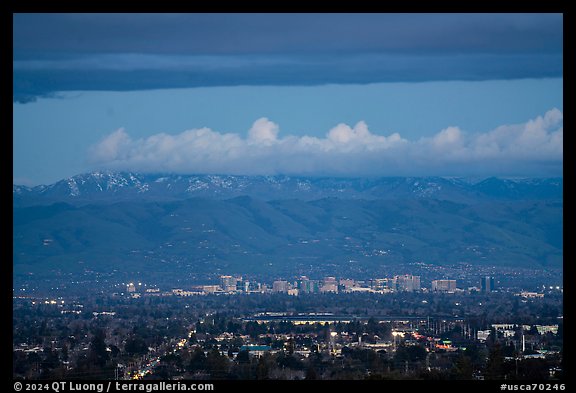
<point x="150" y="365"/>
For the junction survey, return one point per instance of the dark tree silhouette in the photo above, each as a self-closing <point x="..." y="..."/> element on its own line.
<point x="495" y="365"/>
<point x="98" y="355"/>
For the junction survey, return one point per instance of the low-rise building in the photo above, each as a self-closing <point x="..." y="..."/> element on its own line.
<point x="444" y="285"/>
<point x="543" y="329"/>
<point x="256" y="350"/>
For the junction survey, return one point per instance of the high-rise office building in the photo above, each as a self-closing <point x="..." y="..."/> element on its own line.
<point x="444" y="285"/>
<point x="379" y="284"/>
<point x="408" y="283"/>
<point x="305" y="285"/>
<point x="346" y="284"/>
<point x="228" y="283"/>
<point x="242" y="286"/>
<point x="280" y="286"/>
<point x="487" y="284"/>
<point x="329" y="285"/>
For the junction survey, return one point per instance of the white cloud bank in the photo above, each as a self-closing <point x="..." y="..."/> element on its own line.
<point x="534" y="148"/>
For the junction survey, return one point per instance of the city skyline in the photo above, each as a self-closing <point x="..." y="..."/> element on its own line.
<point x="440" y="329"/>
<point x="282" y="196"/>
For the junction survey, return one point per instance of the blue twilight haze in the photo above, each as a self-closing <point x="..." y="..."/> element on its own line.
<point x="309" y="94"/>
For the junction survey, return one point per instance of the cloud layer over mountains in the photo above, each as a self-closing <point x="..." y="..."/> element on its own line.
<point x="534" y="148"/>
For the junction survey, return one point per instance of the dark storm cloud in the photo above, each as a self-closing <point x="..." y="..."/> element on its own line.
<point x="59" y="52"/>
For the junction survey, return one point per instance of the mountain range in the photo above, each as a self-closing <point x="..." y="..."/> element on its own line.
<point x="106" y="221"/>
<point x="108" y="187"/>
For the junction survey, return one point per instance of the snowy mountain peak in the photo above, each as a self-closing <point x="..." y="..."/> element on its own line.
<point x="110" y="187"/>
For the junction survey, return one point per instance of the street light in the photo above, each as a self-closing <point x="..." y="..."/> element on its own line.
<point x="396" y="334"/>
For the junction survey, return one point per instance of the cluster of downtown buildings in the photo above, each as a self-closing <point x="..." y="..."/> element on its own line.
<point x="400" y="283"/>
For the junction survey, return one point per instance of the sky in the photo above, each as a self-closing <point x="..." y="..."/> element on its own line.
<point x="296" y="94"/>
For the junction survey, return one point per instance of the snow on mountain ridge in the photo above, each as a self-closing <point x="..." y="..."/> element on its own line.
<point x="108" y="186"/>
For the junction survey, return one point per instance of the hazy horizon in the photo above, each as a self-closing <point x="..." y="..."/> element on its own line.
<point x="396" y="95"/>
